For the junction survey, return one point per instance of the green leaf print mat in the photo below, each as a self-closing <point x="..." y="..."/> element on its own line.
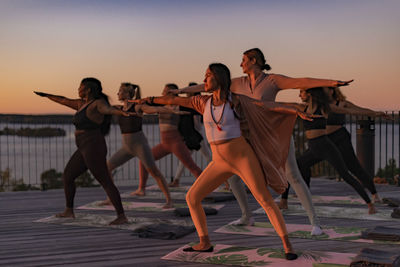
<point x="250" y="256"/>
<point x="339" y="212"/>
<point x="142" y="206"/>
<point x="352" y="234"/>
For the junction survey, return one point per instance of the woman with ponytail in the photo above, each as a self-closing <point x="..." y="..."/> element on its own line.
<point x="134" y="142"/>
<point x="92" y="121"/>
<point x="277" y="142"/>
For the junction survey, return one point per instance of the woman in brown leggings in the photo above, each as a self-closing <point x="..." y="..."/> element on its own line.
<point x="92" y="122"/>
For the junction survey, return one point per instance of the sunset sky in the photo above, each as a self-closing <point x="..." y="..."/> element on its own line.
<point x="51" y="45"/>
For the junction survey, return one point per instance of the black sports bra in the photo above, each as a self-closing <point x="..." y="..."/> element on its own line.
<point x="82" y="122"/>
<point x="131" y="124"/>
<point x="336" y="118"/>
<point x="316" y="123"/>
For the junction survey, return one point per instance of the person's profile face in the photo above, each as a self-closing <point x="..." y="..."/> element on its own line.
<point x="83" y="92"/>
<point x="123" y="94"/>
<point x="246" y="64"/>
<point x="210" y="83"/>
<point x="304" y="96"/>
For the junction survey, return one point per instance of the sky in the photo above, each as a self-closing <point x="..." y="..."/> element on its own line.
<point x="51" y="45"/>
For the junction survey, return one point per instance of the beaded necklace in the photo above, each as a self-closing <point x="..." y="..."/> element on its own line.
<point x="220" y="118"/>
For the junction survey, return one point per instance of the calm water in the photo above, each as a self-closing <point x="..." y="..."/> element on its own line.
<point x="29" y="157"/>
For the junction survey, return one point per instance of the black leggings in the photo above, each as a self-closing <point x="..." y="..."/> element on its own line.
<point x="322" y="148"/>
<point x="342" y="139"/>
<point x="91" y="154"/>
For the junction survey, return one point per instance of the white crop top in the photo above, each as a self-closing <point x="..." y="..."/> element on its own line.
<point x="228" y="126"/>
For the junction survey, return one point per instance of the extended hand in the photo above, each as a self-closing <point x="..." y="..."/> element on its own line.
<point x="181" y="112"/>
<point x="139" y="101"/>
<point x="343" y="83"/>
<point x="41" y="93"/>
<point x="308" y="117"/>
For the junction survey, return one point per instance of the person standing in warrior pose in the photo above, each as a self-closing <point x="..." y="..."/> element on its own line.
<point x="263" y="86"/>
<point x="339" y="135"/>
<point x="171" y="142"/>
<point x="92" y="121"/>
<point x="320" y="147"/>
<point x="134" y="142"/>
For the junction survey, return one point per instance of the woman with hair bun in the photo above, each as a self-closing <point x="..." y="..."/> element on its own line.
<point x="92" y="121"/>
<point x="134" y="142"/>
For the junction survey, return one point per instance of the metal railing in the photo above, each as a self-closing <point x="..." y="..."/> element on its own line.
<point x="26" y="158"/>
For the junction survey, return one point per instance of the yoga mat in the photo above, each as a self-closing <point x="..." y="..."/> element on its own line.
<point x="330" y="200"/>
<point x="352" y="234"/>
<point x="183" y="188"/>
<point x="212" y="197"/>
<point x="141" y="206"/>
<point x="339" y="212"/>
<point x="251" y="256"/>
<point x="100" y="220"/>
<point x="156" y="195"/>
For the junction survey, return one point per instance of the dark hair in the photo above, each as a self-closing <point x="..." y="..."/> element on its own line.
<point x="223" y="77"/>
<point x="96" y="91"/>
<point x="132" y="89"/>
<point x="259" y="56"/>
<point x="320" y="98"/>
<point x="171" y="86"/>
<point x="337" y="94"/>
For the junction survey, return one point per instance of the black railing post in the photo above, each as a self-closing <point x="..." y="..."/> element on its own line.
<point x="366" y="145"/>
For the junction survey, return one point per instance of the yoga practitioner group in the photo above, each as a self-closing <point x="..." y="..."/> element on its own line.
<point x="249" y="133"/>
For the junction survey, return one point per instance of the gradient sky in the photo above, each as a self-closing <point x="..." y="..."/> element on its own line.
<point x="51" y="45"/>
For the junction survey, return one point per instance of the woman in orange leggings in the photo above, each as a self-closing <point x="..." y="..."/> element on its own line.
<point x="231" y="154"/>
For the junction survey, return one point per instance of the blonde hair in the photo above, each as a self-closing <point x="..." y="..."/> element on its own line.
<point x="132" y="89"/>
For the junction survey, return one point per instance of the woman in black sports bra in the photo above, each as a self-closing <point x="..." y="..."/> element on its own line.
<point x="320" y="147"/>
<point x="339" y="135"/>
<point x="92" y="122"/>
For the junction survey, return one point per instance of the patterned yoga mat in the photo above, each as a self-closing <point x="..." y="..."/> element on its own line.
<point x="250" y="256"/>
<point x="141" y="206"/>
<point x="156" y="195"/>
<point x="352" y="234"/>
<point x="100" y="220"/>
<point x="339" y="212"/>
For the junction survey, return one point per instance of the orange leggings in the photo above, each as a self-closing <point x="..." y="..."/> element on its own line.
<point x="233" y="157"/>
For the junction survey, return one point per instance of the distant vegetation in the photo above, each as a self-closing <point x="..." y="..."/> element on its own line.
<point x="34" y="132"/>
<point x="9" y="184"/>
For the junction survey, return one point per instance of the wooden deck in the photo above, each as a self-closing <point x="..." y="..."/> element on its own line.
<point x="25" y="243"/>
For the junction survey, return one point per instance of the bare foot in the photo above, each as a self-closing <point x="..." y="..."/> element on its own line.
<point x="168" y="205"/>
<point x="105" y="202"/>
<point x="139" y="192"/>
<point x="371" y="208"/>
<point x="174" y="183"/>
<point x="376" y="198"/>
<point x="68" y="213"/>
<point x="121" y="219"/>
<point x="283" y="204"/>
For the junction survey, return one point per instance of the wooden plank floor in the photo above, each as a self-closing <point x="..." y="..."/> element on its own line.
<point x="24" y="243"/>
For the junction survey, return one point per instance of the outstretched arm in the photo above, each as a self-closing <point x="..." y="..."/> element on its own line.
<point x="104" y="108"/>
<point x="189" y="89"/>
<point x="170" y="100"/>
<point x="285" y="82"/>
<point x="72" y="103"/>
<point x="154" y="109"/>
<point x="287" y="108"/>
<point x="365" y="111"/>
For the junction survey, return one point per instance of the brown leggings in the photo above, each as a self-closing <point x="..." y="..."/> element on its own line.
<point x="233" y="157"/>
<point x="91" y="154"/>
